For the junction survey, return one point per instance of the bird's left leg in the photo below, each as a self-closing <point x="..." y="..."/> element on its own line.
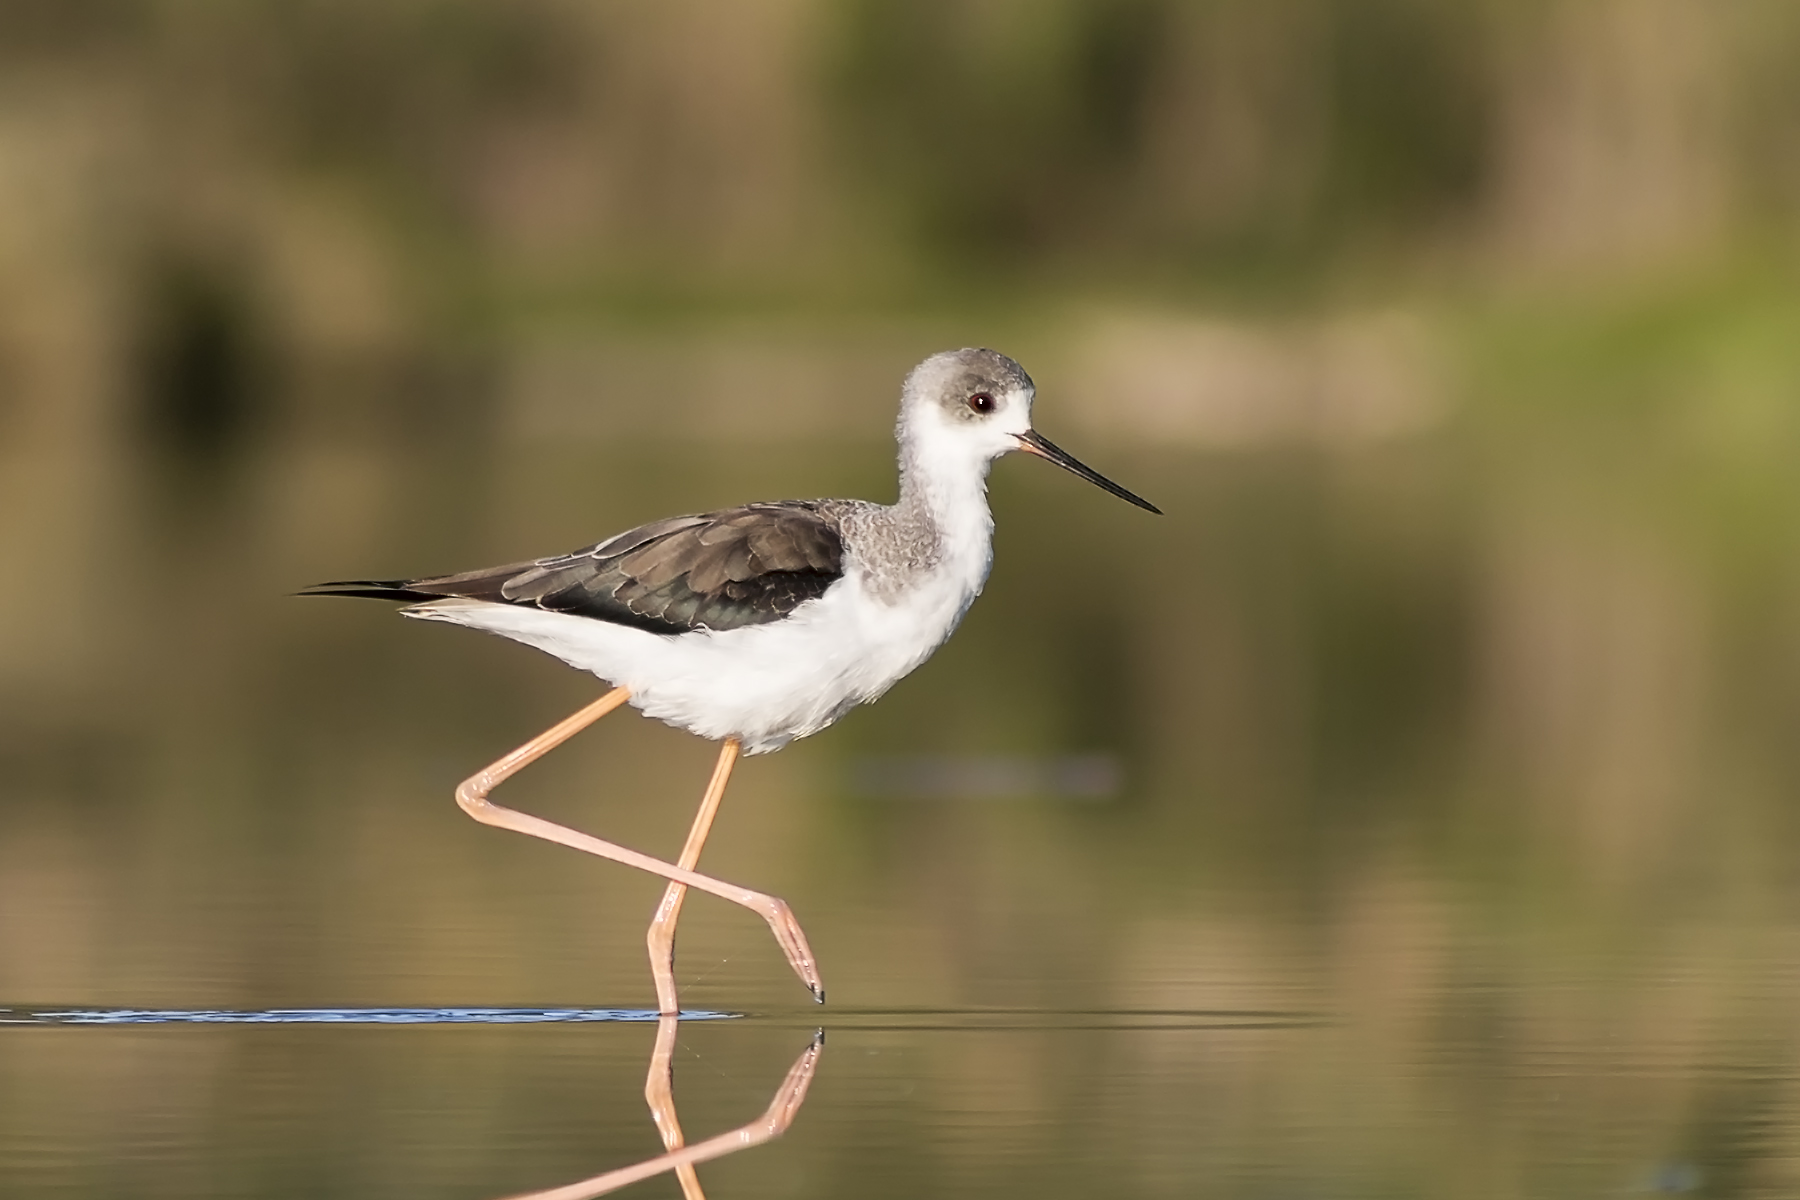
<point x="661" y="935"/>
<point x="472" y="796"/>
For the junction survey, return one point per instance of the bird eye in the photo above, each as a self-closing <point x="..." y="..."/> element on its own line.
<point x="983" y="403"/>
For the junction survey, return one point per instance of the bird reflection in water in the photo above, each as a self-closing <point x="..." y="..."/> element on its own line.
<point x="659" y="1093"/>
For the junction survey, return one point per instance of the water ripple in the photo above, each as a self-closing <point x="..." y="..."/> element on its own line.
<point x="340" y="1016"/>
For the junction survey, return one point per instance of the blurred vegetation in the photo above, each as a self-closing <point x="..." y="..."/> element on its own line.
<point x="789" y="146"/>
<point x="1272" y="136"/>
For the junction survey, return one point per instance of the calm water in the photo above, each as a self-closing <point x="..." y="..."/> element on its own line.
<point x="1410" y="818"/>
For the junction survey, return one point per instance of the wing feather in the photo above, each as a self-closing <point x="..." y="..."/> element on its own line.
<point x="722" y="570"/>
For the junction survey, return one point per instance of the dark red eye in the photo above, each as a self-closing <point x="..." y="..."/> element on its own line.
<point x="981" y="402"/>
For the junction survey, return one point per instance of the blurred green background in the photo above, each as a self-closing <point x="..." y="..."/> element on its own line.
<point x="1453" y="702"/>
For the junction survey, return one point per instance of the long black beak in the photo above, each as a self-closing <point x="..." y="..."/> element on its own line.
<point x="1033" y="442"/>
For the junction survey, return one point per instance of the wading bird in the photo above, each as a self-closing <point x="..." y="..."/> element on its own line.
<point x="756" y="625"/>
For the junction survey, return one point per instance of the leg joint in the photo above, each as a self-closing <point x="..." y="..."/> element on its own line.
<point x="472" y="796"/>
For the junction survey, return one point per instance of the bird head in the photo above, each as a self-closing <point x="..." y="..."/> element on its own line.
<point x="970" y="406"/>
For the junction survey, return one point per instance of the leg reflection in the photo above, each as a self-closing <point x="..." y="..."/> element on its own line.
<point x="659" y="1092"/>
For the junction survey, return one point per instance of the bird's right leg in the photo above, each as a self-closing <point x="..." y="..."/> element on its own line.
<point x="472" y="796"/>
<point x="661" y="935"/>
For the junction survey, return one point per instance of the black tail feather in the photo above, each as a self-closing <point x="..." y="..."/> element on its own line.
<point x="399" y="590"/>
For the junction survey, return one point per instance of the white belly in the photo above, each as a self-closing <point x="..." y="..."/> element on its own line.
<point x="763" y="684"/>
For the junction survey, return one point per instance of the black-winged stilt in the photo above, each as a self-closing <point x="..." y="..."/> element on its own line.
<point x="757" y="625"/>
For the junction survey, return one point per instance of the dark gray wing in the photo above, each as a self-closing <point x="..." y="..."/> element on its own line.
<point x="721" y="570"/>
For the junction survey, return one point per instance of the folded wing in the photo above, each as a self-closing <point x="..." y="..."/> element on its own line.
<point x="722" y="570"/>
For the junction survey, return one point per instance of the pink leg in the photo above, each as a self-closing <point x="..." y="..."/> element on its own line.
<point x="661" y="935"/>
<point x="772" y="1124"/>
<point x="472" y="795"/>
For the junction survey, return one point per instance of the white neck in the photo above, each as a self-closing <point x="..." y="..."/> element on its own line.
<point x="943" y="484"/>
